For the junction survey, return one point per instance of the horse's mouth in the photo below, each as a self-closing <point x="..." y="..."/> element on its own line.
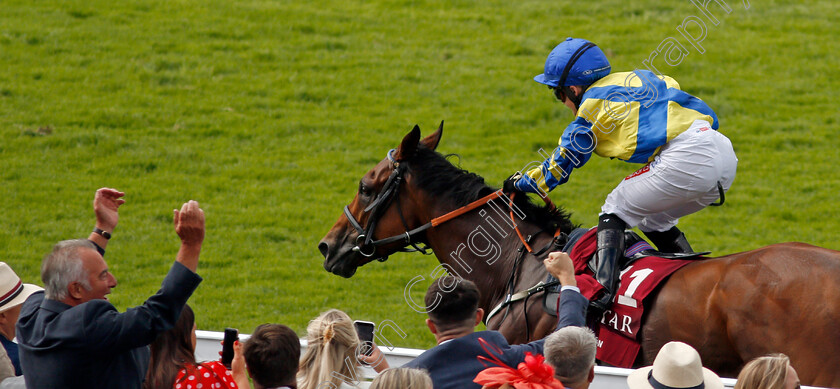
<point x="338" y="260"/>
<point x="340" y="268"/>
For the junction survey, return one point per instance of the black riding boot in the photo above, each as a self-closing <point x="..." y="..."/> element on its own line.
<point x="610" y="250"/>
<point x="671" y="241"/>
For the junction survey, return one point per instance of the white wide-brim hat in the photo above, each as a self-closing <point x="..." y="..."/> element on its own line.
<point x="677" y="365"/>
<point x="12" y="291"/>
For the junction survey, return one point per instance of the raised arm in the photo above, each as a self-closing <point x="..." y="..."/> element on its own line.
<point x="238" y="369"/>
<point x="576" y="146"/>
<point x="105" y="328"/>
<point x="189" y="225"/>
<point x="560" y="265"/>
<point x="572" y="304"/>
<point x="106" y="203"/>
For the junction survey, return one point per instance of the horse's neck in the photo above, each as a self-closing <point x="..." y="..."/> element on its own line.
<point x="483" y="248"/>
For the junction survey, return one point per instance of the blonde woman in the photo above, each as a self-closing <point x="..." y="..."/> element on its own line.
<point x="768" y="372"/>
<point x="332" y="353"/>
<point x="402" y="378"/>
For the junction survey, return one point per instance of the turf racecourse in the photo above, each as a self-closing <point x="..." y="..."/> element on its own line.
<point x="268" y="113"/>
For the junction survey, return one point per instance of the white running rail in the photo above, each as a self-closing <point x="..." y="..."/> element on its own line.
<point x="208" y="346"/>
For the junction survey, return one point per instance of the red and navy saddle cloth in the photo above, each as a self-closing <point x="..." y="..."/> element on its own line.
<point x="618" y="328"/>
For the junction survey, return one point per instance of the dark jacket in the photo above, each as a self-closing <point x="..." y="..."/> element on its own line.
<point x="92" y="345"/>
<point x="454" y="364"/>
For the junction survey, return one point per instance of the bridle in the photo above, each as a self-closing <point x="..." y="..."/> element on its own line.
<point x="390" y="192"/>
<point x="383" y="200"/>
<point x="366" y="244"/>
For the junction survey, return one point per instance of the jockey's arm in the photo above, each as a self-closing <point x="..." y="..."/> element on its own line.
<point x="576" y="146"/>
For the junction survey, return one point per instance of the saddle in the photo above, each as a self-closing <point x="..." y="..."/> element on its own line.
<point x="643" y="270"/>
<point x="636" y="249"/>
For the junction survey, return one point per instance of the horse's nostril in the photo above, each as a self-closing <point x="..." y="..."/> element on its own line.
<point x="324" y="248"/>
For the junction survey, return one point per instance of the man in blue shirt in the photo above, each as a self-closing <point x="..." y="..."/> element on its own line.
<point x="454" y="313"/>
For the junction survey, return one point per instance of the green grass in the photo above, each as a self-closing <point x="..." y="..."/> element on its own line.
<point x="268" y="113"/>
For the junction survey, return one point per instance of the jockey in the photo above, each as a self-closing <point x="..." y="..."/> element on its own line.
<point x="636" y="117"/>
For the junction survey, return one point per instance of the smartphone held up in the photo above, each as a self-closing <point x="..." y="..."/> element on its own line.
<point x="231" y="336"/>
<point x="366" y="331"/>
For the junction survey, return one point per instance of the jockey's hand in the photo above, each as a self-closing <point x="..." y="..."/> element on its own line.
<point x="509" y="185"/>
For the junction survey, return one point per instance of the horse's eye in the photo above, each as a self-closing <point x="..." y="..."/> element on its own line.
<point x="364" y="190"/>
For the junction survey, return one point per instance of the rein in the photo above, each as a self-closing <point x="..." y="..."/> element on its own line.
<point x="366" y="244"/>
<point x="557" y="234"/>
<point x="557" y="242"/>
<point x="390" y="192"/>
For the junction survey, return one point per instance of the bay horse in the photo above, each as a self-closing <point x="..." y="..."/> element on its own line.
<point x="779" y="298"/>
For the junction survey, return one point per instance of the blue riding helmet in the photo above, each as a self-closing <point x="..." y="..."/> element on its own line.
<point x="582" y="61"/>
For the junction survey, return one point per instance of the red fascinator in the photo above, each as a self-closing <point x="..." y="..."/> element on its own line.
<point x="534" y="373"/>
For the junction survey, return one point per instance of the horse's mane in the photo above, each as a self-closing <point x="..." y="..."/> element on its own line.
<point x="436" y="175"/>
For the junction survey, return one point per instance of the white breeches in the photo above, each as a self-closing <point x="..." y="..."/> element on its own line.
<point x="681" y="180"/>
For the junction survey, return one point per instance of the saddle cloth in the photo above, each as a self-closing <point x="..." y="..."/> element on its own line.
<point x="618" y="328"/>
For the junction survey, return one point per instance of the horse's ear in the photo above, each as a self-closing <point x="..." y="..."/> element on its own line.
<point x="409" y="145"/>
<point x="431" y="142"/>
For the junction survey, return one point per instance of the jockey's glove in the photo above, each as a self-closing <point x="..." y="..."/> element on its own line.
<point x="510" y="183"/>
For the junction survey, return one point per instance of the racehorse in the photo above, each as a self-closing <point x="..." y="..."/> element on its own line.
<point x="779" y="298"/>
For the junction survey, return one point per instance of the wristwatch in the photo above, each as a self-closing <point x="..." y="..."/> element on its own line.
<point x="105" y="234"/>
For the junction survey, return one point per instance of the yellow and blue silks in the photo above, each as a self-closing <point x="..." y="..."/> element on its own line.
<point x="628" y="116"/>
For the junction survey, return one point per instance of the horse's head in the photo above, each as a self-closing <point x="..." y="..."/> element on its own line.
<point x="376" y="223"/>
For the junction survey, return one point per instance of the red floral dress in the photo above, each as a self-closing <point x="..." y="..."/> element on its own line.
<point x="206" y="375"/>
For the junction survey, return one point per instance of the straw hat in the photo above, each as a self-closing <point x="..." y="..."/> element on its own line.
<point x="676" y="366"/>
<point x="12" y="291"/>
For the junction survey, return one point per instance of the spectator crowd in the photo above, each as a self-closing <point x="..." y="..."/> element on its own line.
<point x="68" y="335"/>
